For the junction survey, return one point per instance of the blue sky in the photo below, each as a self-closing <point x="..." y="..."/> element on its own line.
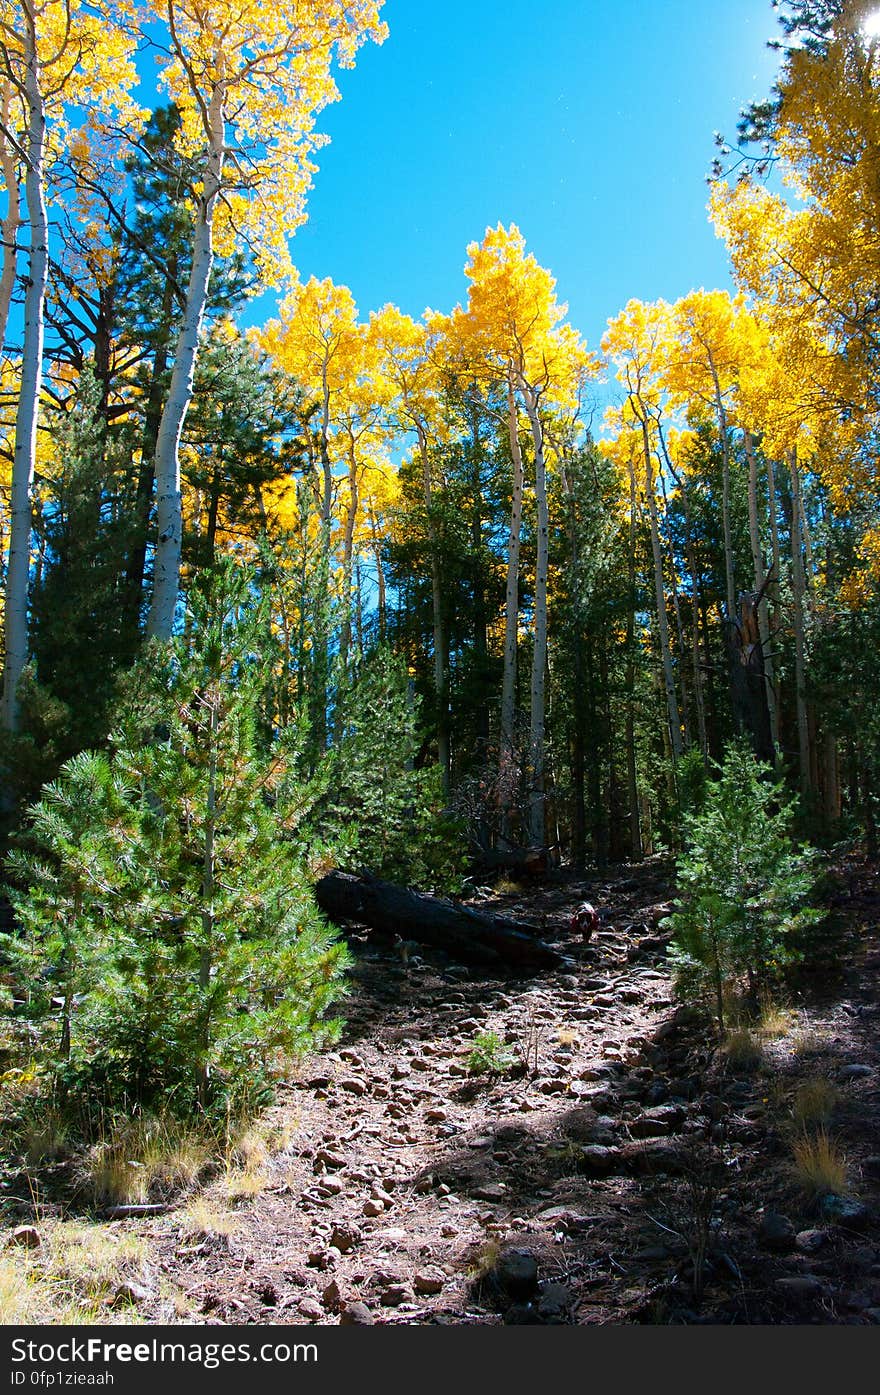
<point x="587" y="122"/>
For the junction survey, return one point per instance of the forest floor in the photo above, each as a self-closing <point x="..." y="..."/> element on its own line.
<point x="624" y="1169"/>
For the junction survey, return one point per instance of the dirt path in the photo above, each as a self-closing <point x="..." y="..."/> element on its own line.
<point x="579" y="1191"/>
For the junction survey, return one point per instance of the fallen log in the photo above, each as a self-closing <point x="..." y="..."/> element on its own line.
<point x="533" y="863"/>
<point x="431" y="920"/>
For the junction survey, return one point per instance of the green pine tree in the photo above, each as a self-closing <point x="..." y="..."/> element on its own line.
<point x="390" y="809"/>
<point x="743" y="883"/>
<point x="166" y="892"/>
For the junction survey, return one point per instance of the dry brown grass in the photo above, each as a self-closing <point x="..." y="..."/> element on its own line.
<point x="507" y="887"/>
<point x="741" y="1048"/>
<point x="19" y="1297"/>
<point x="76" y="1276"/>
<point x="819" y="1165"/>
<point x="776" y="1021"/>
<point x="483" y="1259"/>
<point x="814" y="1103"/>
<point x="257" y="1141"/>
<point x="148" y="1159"/>
<point x="44" y="1137"/>
<point x="204" y="1219"/>
<point x="808" y="1041"/>
<point x="180" y="1302"/>
<point x="243" y="1184"/>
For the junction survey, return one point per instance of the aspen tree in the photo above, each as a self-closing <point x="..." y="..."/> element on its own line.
<point x="411" y="357"/>
<point x="635" y="342"/>
<point x="62" y="59"/>
<point x="249" y="84"/>
<point x="514" y="332"/>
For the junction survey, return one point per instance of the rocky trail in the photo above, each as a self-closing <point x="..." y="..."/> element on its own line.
<point x="620" y="1169"/>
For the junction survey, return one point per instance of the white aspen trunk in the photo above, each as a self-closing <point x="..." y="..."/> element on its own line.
<point x="775" y="550"/>
<point x="807" y="539"/>
<point x="511" y="618"/>
<point x="631" y="768"/>
<point x="760" y="577"/>
<point x="695" y="626"/>
<point x="169" y="504"/>
<point x="676" y="610"/>
<point x="348" y="551"/>
<point x="380" y="575"/>
<point x="660" y="591"/>
<point x="690" y="554"/>
<point x="321" y="664"/>
<point x="798" y="590"/>
<point x="324" y="446"/>
<point x="438" y="624"/>
<point x="775" y="564"/>
<point x="729" y="581"/>
<point x="24" y="458"/>
<point x="12" y="221"/>
<point x="537" y="821"/>
<point x="380" y="579"/>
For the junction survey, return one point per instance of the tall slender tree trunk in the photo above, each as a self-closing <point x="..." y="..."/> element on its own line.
<point x="760" y="578"/>
<point x="660" y="590"/>
<point x="169" y="504"/>
<point x="25" y="452"/>
<point x="713" y="733"/>
<point x="676" y="610"/>
<point x="206" y="954"/>
<point x="807" y="538"/>
<point x="481" y="639"/>
<point x="137" y="561"/>
<point x="438" y="622"/>
<point x="539" y="653"/>
<point x="696" y="670"/>
<point x="775" y="548"/>
<point x="12" y="220"/>
<point x="320" y="679"/>
<point x="798" y="590"/>
<point x="729" y="580"/>
<point x="691" y="556"/>
<point x="348" y="553"/>
<point x="635" y="828"/>
<point x="507" y="771"/>
<point x="579" y="735"/>
<point x="382" y="603"/>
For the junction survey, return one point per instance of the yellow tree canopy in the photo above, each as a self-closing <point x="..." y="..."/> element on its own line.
<point x="265" y="70"/>
<point x="512" y="329"/>
<point x="810" y="261"/>
<point x="410" y="354"/>
<point x="705" y="347"/>
<point x="315" y="339"/>
<point x="86" y="57"/>
<point x="637" y="341"/>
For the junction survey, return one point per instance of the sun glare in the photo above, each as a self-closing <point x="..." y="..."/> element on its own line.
<point x="871" y="25"/>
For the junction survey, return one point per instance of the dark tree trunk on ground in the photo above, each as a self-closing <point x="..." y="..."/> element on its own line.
<point x="461" y="932"/>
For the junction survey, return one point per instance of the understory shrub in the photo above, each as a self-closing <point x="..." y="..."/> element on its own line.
<point x="171" y="949"/>
<point x="378" y="797"/>
<point x="742" y="885"/>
